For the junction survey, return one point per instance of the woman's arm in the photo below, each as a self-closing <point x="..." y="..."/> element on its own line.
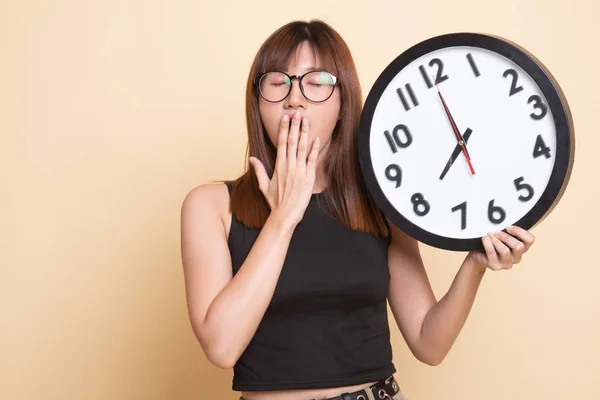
<point x="225" y="310"/>
<point x="430" y="327"/>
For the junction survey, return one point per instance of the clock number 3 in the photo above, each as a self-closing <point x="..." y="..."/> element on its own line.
<point x="538" y="105"/>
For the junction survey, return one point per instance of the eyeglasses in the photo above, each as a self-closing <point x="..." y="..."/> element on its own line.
<point x="316" y="86"/>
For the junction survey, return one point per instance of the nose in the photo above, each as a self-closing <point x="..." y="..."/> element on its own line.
<point x="295" y="99"/>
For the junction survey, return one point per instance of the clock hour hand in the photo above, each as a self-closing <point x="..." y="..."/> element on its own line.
<point x="455" y="153"/>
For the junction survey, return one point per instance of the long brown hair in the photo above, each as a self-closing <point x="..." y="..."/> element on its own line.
<point x="346" y="193"/>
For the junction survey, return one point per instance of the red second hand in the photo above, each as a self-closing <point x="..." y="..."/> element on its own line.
<point x="455" y="129"/>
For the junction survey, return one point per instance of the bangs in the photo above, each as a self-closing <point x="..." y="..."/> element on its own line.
<point x="282" y="49"/>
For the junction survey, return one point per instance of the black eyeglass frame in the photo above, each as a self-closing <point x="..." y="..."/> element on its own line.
<point x="259" y="78"/>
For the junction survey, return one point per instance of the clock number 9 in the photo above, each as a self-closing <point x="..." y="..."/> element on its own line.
<point x="539" y="105"/>
<point x="420" y="205"/>
<point x="496" y="214"/>
<point x="397" y="174"/>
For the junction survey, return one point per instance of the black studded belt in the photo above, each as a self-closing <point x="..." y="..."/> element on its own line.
<point x="384" y="389"/>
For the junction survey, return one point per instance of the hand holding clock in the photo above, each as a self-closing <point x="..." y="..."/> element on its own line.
<point x="502" y="249"/>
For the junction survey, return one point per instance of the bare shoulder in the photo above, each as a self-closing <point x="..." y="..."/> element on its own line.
<point x="207" y="200"/>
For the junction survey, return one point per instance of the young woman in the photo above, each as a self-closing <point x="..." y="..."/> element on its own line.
<point x="289" y="268"/>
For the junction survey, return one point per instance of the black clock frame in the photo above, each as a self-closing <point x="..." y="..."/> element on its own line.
<point x="565" y="141"/>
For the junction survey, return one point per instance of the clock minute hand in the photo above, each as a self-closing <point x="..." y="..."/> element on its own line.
<point x="459" y="138"/>
<point x="455" y="153"/>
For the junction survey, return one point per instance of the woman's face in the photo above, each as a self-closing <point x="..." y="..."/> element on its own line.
<point x="322" y="117"/>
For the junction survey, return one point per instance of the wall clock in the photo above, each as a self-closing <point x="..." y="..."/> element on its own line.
<point x="464" y="134"/>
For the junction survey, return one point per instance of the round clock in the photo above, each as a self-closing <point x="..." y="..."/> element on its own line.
<point x="465" y="134"/>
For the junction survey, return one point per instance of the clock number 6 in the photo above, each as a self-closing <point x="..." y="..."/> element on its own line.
<point x="496" y="214"/>
<point x="420" y="205"/>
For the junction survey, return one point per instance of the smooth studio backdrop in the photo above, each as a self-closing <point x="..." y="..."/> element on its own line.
<point x="111" y="111"/>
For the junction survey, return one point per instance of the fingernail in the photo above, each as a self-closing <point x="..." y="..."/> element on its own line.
<point x="286" y="118"/>
<point x="297" y="115"/>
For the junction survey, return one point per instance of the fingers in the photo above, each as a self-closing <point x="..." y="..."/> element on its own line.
<point x="292" y="146"/>
<point x="261" y="174"/>
<point x="504" y="254"/>
<point x="490" y="251"/>
<point x="303" y="147"/>
<point x="523" y="235"/>
<point x="503" y="249"/>
<point x="280" y="161"/>
<point x="516" y="246"/>
<point x="498" y="254"/>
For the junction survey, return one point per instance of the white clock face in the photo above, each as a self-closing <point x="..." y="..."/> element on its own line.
<point x="509" y="135"/>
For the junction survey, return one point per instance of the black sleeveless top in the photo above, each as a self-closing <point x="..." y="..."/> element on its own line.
<point x="327" y="322"/>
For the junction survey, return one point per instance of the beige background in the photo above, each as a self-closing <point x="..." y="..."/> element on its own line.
<point x="111" y="111"/>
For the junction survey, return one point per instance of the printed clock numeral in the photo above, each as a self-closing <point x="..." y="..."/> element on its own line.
<point x="538" y="105"/>
<point x="496" y="214"/>
<point x="420" y="205"/>
<point x="540" y="148"/>
<point x="514" y="89"/>
<point x="403" y="98"/>
<point x="440" y="77"/>
<point x="394" y="139"/>
<point x="462" y="207"/>
<point x="473" y="65"/>
<point x="394" y="173"/>
<point x="524" y="186"/>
